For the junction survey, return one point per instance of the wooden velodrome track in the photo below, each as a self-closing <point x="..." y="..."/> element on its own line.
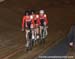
<point x="12" y="40"/>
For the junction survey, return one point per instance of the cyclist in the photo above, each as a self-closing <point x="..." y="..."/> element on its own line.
<point x="26" y="25"/>
<point x="43" y="21"/>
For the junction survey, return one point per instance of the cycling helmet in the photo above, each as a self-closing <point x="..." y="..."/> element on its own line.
<point x="32" y="11"/>
<point x="27" y="12"/>
<point x="41" y="11"/>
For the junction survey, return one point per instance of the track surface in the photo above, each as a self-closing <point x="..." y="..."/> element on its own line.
<point x="11" y="12"/>
<point x="61" y="49"/>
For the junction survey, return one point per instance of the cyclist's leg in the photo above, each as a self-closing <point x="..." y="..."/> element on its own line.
<point x="43" y="34"/>
<point x="37" y="33"/>
<point x="27" y="40"/>
<point x="33" y="37"/>
<point x="46" y="30"/>
<point x="40" y="31"/>
<point x="28" y="36"/>
<point x="40" y="40"/>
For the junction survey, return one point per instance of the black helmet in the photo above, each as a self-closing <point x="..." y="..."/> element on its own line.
<point x="32" y="11"/>
<point x="27" y="12"/>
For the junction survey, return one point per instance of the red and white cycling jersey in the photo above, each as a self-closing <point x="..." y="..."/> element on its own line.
<point x="34" y="18"/>
<point x="44" y="17"/>
<point x="27" y="19"/>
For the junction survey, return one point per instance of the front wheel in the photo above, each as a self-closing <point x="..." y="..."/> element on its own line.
<point x="28" y="40"/>
<point x="42" y="39"/>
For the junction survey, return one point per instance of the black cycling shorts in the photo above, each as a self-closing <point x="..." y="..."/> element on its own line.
<point x="28" y="25"/>
<point x="35" y="21"/>
<point x="42" y="22"/>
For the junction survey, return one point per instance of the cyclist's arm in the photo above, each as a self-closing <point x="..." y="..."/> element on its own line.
<point x="23" y="21"/>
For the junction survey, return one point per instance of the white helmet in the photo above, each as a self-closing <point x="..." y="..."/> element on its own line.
<point x="41" y="12"/>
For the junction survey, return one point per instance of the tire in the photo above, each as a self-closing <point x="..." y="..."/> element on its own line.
<point x="30" y="41"/>
<point x="42" y="40"/>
